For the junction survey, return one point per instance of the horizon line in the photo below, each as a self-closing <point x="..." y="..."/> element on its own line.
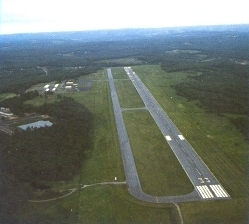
<point x="127" y="28"/>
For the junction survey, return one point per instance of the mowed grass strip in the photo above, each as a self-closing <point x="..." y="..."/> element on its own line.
<point x="159" y="171"/>
<point x="103" y="162"/>
<point x="109" y="204"/>
<point x="4" y="96"/>
<point x="128" y="95"/>
<point x="222" y="211"/>
<point x="119" y="73"/>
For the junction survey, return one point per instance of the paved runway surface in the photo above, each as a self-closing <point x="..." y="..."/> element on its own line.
<point x="206" y="185"/>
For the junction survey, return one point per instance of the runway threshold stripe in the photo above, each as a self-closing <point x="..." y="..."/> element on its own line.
<point x="219" y="191"/>
<point x="201" y="191"/>
<point x="209" y="193"/>
<point x="204" y="191"/>
<point x="223" y="191"/>
<point x="216" y="191"/>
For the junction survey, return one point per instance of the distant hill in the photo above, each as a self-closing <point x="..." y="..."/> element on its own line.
<point x="121" y="34"/>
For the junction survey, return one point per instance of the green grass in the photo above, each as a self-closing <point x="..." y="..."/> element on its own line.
<point x="159" y="171"/>
<point x="110" y="204"/>
<point x="119" y="73"/>
<point x="4" y="96"/>
<point x="100" y="75"/>
<point x="228" y="211"/>
<point x="100" y="204"/>
<point x="128" y="95"/>
<point x="41" y="100"/>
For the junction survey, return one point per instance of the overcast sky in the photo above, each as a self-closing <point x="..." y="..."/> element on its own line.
<point x="25" y="16"/>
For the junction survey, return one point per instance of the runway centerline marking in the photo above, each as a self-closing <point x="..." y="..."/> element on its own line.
<point x="198" y="171"/>
<point x="201" y="180"/>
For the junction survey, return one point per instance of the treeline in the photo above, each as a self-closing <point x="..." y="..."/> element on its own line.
<point x="224" y="88"/>
<point x="242" y="123"/>
<point x="218" y="91"/>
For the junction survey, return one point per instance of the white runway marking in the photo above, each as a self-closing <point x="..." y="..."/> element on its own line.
<point x="207" y="180"/>
<point x="201" y="180"/>
<point x="181" y="137"/>
<point x="168" y="138"/>
<point x="219" y="191"/>
<point x="204" y="191"/>
<point x="198" y="171"/>
<point x="191" y="160"/>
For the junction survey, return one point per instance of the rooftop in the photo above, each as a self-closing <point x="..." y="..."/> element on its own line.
<point x="37" y="124"/>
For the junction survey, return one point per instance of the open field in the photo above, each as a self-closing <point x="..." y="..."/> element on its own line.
<point x="100" y="204"/>
<point x="113" y="205"/>
<point x="4" y="96"/>
<point x="128" y="95"/>
<point x="119" y="73"/>
<point x="228" y="211"/>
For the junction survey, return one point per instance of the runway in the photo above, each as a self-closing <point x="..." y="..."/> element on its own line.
<point x="206" y="185"/>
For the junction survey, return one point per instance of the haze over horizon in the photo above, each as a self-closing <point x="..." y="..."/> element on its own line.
<point x="32" y="16"/>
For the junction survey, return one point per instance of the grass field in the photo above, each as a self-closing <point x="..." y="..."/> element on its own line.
<point x="4" y="96"/>
<point x="128" y="95"/>
<point x="119" y="73"/>
<point x="211" y="136"/>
